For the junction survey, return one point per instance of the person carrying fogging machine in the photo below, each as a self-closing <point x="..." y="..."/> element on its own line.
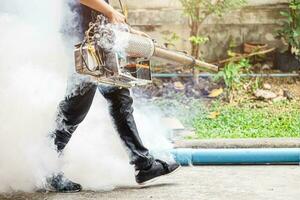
<point x="74" y="108"/>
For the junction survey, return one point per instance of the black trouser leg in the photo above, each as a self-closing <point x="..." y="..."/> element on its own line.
<point x="120" y="106"/>
<point x="71" y="112"/>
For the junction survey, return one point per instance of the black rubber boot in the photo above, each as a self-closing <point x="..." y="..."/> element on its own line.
<point x="58" y="183"/>
<point x="157" y="169"/>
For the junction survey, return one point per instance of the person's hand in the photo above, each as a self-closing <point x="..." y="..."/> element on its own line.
<point x="116" y="18"/>
<point x="133" y="31"/>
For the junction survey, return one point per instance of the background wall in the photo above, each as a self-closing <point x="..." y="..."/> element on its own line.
<point x="256" y="22"/>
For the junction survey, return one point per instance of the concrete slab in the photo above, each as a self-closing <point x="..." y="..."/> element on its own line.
<point x="206" y="182"/>
<point x="239" y="143"/>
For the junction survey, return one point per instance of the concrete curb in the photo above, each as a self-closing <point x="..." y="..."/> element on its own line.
<point x="239" y="143"/>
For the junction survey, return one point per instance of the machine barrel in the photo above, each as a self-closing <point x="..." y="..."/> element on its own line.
<point x="182" y="58"/>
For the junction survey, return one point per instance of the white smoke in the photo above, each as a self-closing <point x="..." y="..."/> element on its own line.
<point x="31" y="57"/>
<point x="34" y="66"/>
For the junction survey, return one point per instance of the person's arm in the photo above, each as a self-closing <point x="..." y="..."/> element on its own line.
<point x="113" y="15"/>
<point x="100" y="5"/>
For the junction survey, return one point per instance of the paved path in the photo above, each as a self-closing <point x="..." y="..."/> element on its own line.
<point x="204" y="182"/>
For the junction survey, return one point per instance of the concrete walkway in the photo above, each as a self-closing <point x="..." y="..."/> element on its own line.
<point x="204" y="182"/>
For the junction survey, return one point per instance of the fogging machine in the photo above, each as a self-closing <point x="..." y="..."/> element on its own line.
<point x="117" y="57"/>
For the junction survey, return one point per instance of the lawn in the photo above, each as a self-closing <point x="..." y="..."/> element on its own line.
<point x="264" y="120"/>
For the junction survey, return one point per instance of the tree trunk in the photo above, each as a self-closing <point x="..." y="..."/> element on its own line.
<point x="194" y="32"/>
<point x="195" y="48"/>
<point x="195" y="28"/>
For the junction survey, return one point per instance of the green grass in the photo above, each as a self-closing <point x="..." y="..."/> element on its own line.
<point x="250" y="121"/>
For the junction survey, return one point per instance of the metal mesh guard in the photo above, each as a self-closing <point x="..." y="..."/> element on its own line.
<point x="139" y="46"/>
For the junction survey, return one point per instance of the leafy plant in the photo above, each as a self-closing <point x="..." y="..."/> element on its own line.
<point x="198" y="40"/>
<point x="199" y="10"/>
<point x="171" y="38"/>
<point x="290" y="31"/>
<point x="231" y="73"/>
<point x="258" y="82"/>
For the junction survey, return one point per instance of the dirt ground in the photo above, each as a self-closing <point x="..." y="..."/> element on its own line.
<point x="290" y="84"/>
<point x="203" y="182"/>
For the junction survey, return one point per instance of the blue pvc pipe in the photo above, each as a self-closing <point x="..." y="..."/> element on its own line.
<point x="237" y="156"/>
